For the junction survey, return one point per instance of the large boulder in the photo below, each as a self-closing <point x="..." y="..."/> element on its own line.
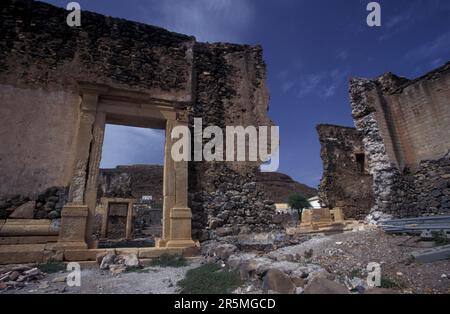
<point x="324" y="286"/>
<point x="107" y="261"/>
<point x="224" y="251"/>
<point x="277" y="281"/>
<point x="130" y="260"/>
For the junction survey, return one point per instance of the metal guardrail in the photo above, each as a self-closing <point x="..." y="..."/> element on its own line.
<point x="420" y="225"/>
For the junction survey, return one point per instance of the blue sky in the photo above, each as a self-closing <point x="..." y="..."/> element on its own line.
<point x="311" y="48"/>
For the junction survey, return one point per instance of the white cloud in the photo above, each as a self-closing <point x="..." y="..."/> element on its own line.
<point x="213" y="21"/>
<point x="323" y="84"/>
<point x="440" y="46"/>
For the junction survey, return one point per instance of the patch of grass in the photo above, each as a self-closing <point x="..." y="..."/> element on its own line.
<point x="168" y="260"/>
<point x="135" y="269"/>
<point x="51" y="267"/>
<point x="210" y="279"/>
<point x="440" y="238"/>
<point x="390" y="283"/>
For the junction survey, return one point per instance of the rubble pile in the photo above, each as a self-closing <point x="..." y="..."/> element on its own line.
<point x="18" y="276"/>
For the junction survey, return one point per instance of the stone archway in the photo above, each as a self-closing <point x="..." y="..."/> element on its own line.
<point x="101" y="104"/>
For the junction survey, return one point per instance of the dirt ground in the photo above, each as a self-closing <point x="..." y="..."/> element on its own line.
<point x="345" y="256"/>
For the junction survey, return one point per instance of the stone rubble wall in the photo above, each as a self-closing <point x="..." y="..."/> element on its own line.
<point x="45" y="205"/>
<point x="39" y="49"/>
<point x="224" y="197"/>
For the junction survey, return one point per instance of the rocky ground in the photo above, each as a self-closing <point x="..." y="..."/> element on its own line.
<point x="149" y="280"/>
<point x="340" y="259"/>
<point x="320" y="264"/>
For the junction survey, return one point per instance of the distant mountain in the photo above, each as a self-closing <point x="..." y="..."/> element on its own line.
<point x="279" y="186"/>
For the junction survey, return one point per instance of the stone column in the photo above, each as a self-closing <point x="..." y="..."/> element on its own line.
<point x="91" y="180"/>
<point x="74" y="215"/>
<point x="177" y="216"/>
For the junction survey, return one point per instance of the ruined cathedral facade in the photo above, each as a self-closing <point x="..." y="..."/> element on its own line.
<point x="61" y="85"/>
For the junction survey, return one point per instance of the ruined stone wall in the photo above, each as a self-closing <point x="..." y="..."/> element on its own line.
<point x="224" y="197"/>
<point x="404" y="123"/>
<point x="42" y="60"/>
<point x="346" y="182"/>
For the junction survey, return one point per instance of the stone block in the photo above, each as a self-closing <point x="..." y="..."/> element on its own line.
<point x="26" y="211"/>
<point x="156" y="252"/>
<point x="28" y="240"/>
<point x="25" y="253"/>
<point x="85" y="254"/>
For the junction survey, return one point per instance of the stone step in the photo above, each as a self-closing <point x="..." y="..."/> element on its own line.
<point x="28" y="228"/>
<point x="23" y="253"/>
<point x="28" y="240"/>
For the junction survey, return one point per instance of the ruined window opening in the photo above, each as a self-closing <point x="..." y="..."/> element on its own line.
<point x="130" y="186"/>
<point x="361" y="162"/>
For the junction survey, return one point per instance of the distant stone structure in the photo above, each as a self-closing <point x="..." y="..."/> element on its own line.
<point x="404" y="126"/>
<point x="279" y="186"/>
<point x="346" y="182"/>
<point x="135" y="181"/>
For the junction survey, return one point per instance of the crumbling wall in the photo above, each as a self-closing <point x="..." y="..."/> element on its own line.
<point x="404" y="123"/>
<point x="224" y="197"/>
<point x="42" y="60"/>
<point x="346" y="182"/>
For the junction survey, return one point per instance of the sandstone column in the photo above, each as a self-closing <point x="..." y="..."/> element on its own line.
<point x="74" y="215"/>
<point x="177" y="216"/>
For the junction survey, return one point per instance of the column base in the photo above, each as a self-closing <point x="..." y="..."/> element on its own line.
<point x="73" y="228"/>
<point x="183" y="244"/>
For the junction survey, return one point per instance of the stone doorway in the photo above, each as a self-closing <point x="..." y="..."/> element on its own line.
<point x="131" y="174"/>
<point x="101" y="105"/>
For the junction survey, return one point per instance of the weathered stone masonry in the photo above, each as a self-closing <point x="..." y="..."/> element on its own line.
<point x="346" y="182"/>
<point x="60" y="85"/>
<point x="406" y="135"/>
<point x="230" y="91"/>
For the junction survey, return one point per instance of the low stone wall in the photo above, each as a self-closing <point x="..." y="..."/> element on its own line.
<point x="46" y="205"/>
<point x="425" y="192"/>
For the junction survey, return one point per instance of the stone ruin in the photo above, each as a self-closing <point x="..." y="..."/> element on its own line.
<point x="346" y="182"/>
<point x="396" y="163"/>
<point x="60" y="86"/>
